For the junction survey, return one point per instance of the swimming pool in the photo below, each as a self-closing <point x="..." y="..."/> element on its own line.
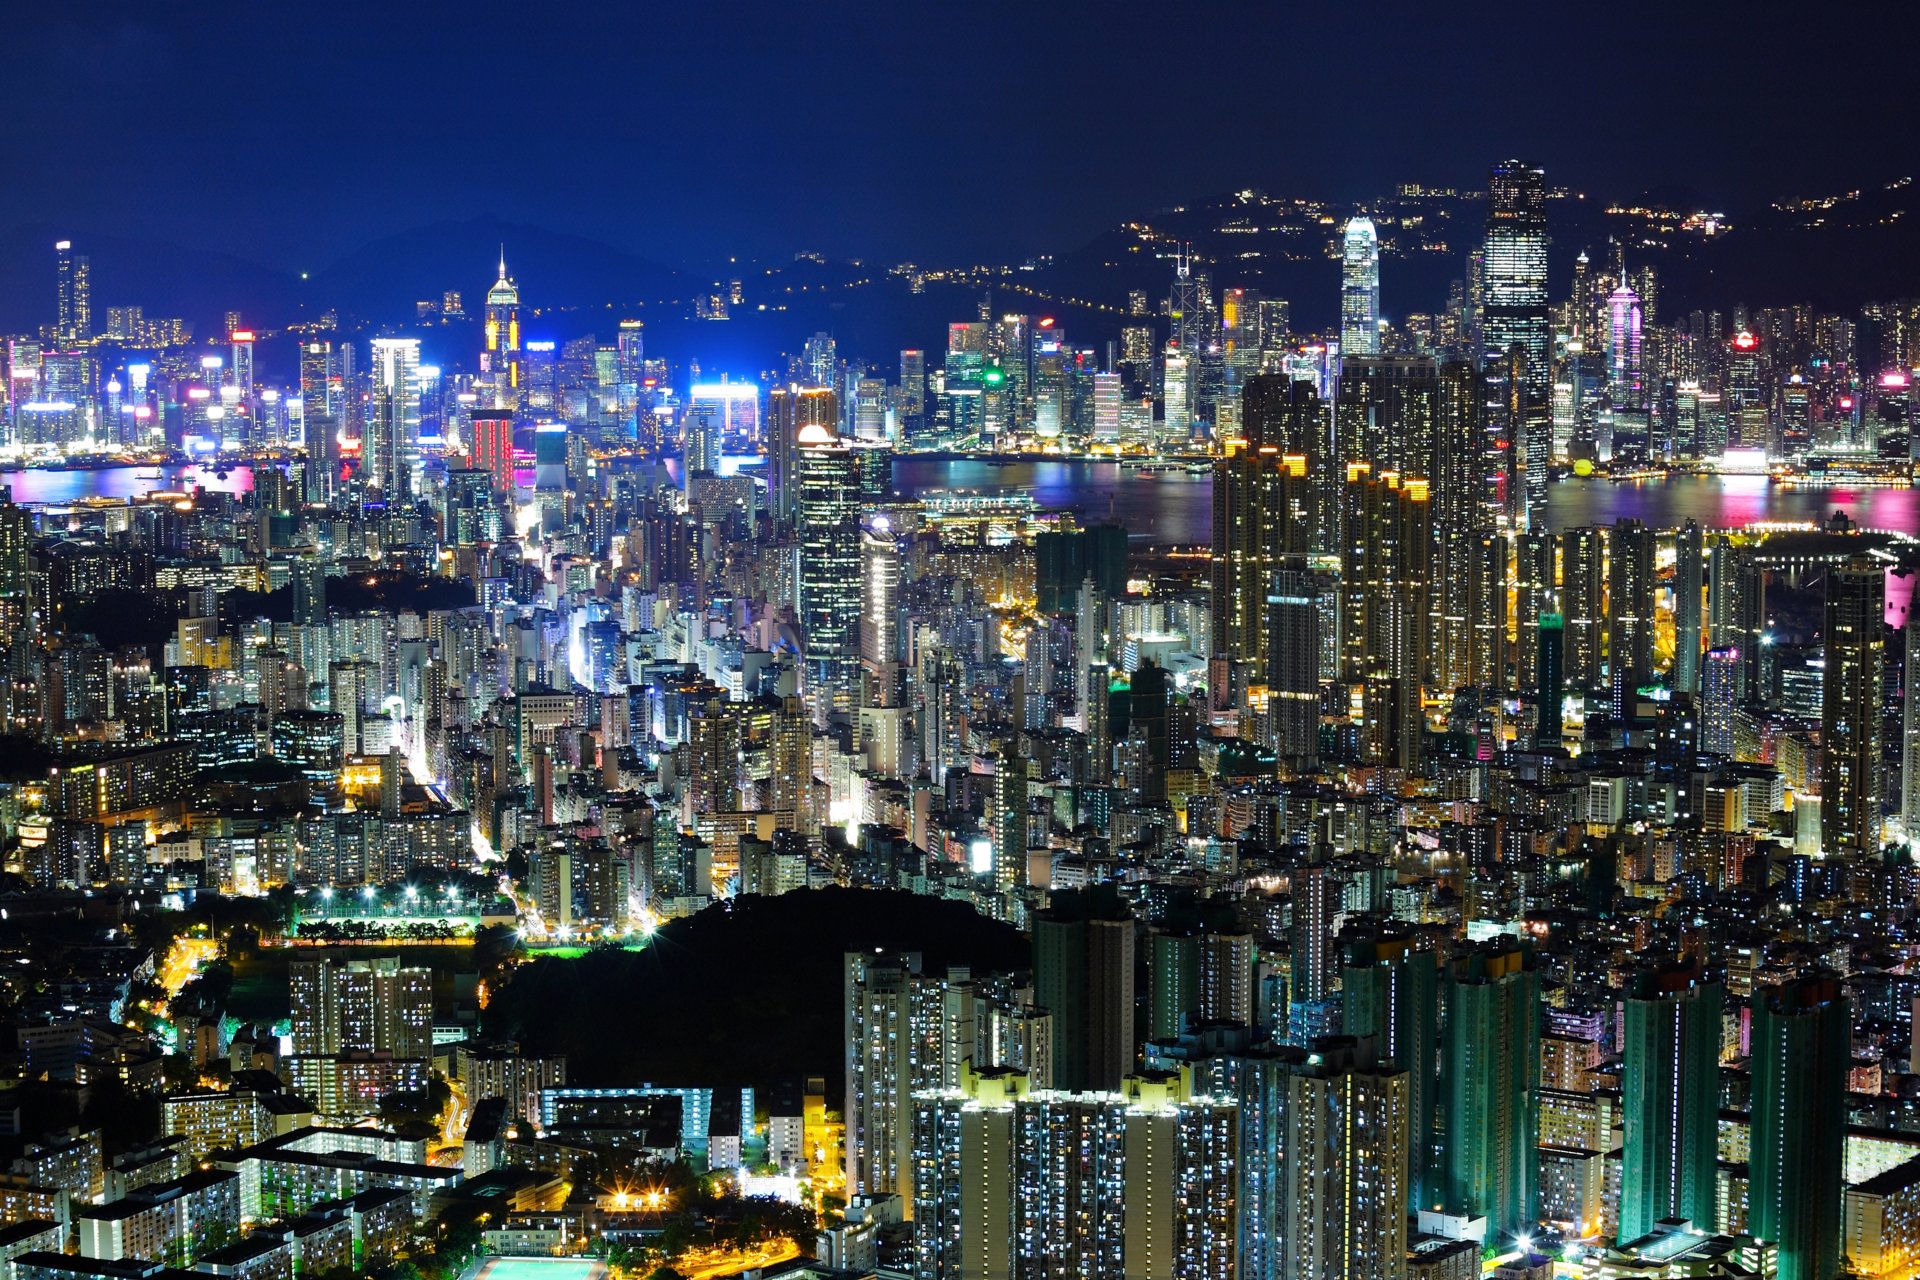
<point x="540" y="1269"/>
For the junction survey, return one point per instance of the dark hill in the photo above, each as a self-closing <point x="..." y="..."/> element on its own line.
<point x="741" y="993"/>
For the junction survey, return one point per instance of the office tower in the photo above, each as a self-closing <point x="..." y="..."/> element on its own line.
<point x="1855" y="641"/>
<point x="1013" y="1181"/>
<point x="1083" y="953"/>
<point x="1626" y="373"/>
<point x="882" y="652"/>
<point x="322" y="403"/>
<point x="820" y="361"/>
<point x="1583" y="604"/>
<point x="913" y="384"/>
<point x="502" y="357"/>
<point x="1550" y="687"/>
<point x="1515" y="311"/>
<point x="1490" y="1073"/>
<point x="1385" y="413"/>
<point x="1262" y="508"/>
<point x="1360" y="289"/>
<point x="1293" y="667"/>
<point x="1909" y="721"/>
<point x="391" y="452"/>
<point x="73" y="317"/>
<point x="1720" y="701"/>
<point x="1801" y="1051"/>
<point x="1390" y="993"/>
<point x="827" y="572"/>
<point x="1670" y="1099"/>
<point x="1689" y="583"/>
<point x="1176" y="396"/>
<point x="490" y="447"/>
<point x="790" y="412"/>
<point x="1630" y="620"/>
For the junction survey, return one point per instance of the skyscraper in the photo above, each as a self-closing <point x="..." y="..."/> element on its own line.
<point x="1515" y="312"/>
<point x="1551" y="685"/>
<point x="881" y="1074"/>
<point x="1391" y="994"/>
<point x="1630" y="615"/>
<point x="490" y="446"/>
<point x="1689" y="582"/>
<point x="1801" y="1052"/>
<point x="1360" y="289"/>
<point x="73" y="317"/>
<point x="502" y="356"/>
<point x="1262" y="509"/>
<point x="1626" y="376"/>
<point x="1491" y="1071"/>
<point x="1720" y="701"/>
<point x="790" y="411"/>
<point x="1670" y="1103"/>
<point x="1910" y="729"/>
<point x="391" y="451"/>
<point x="1343" y="1178"/>
<point x="1855" y="637"/>
<point x="827" y="572"/>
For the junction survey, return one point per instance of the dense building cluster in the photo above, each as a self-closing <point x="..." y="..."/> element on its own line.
<point x="1413" y="886"/>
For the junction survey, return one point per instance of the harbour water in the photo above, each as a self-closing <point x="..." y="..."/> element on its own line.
<point x="1176" y="508"/>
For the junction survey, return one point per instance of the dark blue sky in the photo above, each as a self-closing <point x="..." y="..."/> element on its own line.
<point x="291" y="133"/>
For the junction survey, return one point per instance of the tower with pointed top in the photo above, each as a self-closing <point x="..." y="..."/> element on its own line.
<point x="502" y="355"/>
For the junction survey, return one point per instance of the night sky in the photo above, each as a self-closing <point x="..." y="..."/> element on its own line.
<point x="290" y="133"/>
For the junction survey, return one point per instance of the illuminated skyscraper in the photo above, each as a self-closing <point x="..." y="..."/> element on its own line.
<point x="1801" y="1051"/>
<point x="73" y="317"/>
<point x="491" y="446"/>
<point x="1262" y="508"/>
<point x="1515" y="312"/>
<point x="502" y="356"/>
<point x="1670" y="1100"/>
<point x="1360" y="289"/>
<point x="790" y="411"/>
<point x="1855" y="636"/>
<point x="1910" y="730"/>
<point x="827" y="571"/>
<point x="1626" y="377"/>
<point x="391" y="450"/>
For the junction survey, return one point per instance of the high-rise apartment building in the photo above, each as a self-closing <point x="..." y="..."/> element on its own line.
<point x="1491" y="1070"/>
<point x="1670" y="1099"/>
<point x="1137" y="1181"/>
<point x="1083" y="959"/>
<point x="1797" y="1123"/>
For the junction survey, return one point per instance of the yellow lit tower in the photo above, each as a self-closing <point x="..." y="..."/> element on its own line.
<point x="502" y="356"/>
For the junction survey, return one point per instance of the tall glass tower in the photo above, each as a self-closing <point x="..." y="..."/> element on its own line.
<point x="1514" y="311"/>
<point x="1360" y="290"/>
